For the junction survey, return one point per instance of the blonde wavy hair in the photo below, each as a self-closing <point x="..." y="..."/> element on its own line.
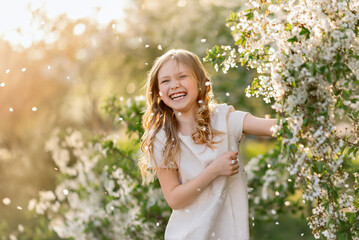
<point x="158" y="115"/>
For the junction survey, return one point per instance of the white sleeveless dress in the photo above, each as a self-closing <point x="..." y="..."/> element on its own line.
<point x="221" y="210"/>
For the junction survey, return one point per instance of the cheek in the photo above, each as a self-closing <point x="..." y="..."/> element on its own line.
<point x="162" y="91"/>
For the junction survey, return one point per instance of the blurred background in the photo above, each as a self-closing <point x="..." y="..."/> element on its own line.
<point x="60" y="59"/>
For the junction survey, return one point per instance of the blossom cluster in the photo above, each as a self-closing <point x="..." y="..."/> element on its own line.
<point x="94" y="197"/>
<point x="306" y="54"/>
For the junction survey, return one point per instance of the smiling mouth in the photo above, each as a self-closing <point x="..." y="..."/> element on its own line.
<point x="177" y="96"/>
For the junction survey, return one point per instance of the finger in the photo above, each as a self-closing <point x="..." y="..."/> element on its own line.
<point x="232" y="153"/>
<point x="235" y="167"/>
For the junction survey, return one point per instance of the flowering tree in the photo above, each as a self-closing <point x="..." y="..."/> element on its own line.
<point x="306" y="54"/>
<point x="99" y="193"/>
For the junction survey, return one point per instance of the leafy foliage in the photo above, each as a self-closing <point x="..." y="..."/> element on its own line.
<point x="306" y="60"/>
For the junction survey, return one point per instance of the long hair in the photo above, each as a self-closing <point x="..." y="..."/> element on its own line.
<point x="158" y="115"/>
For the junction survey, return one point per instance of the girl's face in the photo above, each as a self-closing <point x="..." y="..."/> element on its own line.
<point x="178" y="86"/>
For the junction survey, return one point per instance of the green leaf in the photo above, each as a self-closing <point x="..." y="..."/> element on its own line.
<point x="293" y="39"/>
<point x="350" y="216"/>
<point x="342" y="236"/>
<point x="319" y="166"/>
<point x="241" y="41"/>
<point x="249" y="14"/>
<point x="288" y="27"/>
<point x="305" y="32"/>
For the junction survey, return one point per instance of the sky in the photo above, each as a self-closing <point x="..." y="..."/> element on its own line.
<point x="15" y="14"/>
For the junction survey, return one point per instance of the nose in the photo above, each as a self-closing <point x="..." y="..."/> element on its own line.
<point x="174" y="84"/>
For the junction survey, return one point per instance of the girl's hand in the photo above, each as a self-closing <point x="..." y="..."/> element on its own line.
<point x="226" y="164"/>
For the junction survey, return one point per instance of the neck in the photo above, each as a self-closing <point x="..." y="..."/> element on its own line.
<point x="186" y="121"/>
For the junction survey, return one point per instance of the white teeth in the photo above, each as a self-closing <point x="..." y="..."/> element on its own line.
<point x="177" y="96"/>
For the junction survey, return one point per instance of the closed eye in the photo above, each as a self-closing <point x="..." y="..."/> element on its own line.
<point x="183" y="76"/>
<point x="164" y="81"/>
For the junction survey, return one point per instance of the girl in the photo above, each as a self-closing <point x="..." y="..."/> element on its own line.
<point x="192" y="145"/>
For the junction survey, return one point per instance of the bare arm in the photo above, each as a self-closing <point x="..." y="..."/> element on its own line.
<point x="180" y="195"/>
<point x="258" y="126"/>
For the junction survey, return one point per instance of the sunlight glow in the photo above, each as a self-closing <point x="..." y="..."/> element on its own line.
<point x="18" y="27"/>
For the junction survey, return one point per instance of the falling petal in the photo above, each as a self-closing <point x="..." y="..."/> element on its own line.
<point x="200" y="101"/>
<point x="11" y="109"/>
<point x="287" y="203"/>
<point x="159" y="47"/>
<point x="269" y="165"/>
<point x="6" y="201"/>
<point x="65" y="191"/>
<point x="277" y="193"/>
<point x="179" y="114"/>
<point x="146" y="64"/>
<point x="204" y="129"/>
<point x="2" y="84"/>
<point x="227" y="94"/>
<point x="49" y="67"/>
<point x="23" y="69"/>
<point x="161" y="94"/>
<point x="20" y="228"/>
<point x="198" y="189"/>
<point x="7" y="71"/>
<point x="203" y="40"/>
<point x="68" y="77"/>
<point x="276" y="223"/>
<point x="157" y="224"/>
<point x="19" y="208"/>
<point x="147" y="45"/>
<point x="34" y="109"/>
<point x="302" y="234"/>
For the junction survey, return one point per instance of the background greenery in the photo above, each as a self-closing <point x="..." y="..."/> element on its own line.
<point x="86" y="69"/>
